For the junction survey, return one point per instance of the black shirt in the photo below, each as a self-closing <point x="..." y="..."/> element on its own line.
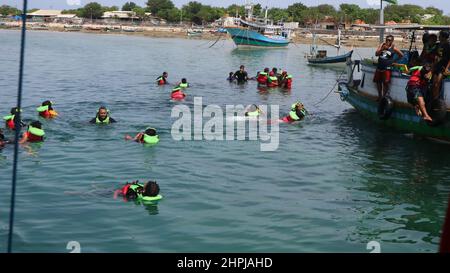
<point x="241" y="76"/>
<point x="386" y="59"/>
<point x="443" y="56"/>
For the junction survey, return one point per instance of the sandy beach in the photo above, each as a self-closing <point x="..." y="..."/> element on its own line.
<point x="181" y="32"/>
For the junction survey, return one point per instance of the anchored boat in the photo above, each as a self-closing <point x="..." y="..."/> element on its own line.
<point x="259" y="32"/>
<point x="320" y="56"/>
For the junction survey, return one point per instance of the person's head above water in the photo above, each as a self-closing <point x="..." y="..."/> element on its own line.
<point x="183" y="80"/>
<point x="15" y="110"/>
<point x="267" y="70"/>
<point x="36" y="124"/>
<point x="150" y="131"/>
<point x="102" y="112"/>
<point x="48" y="103"/>
<point x="165" y="74"/>
<point x="274" y="70"/>
<point x="151" y="188"/>
<point x="242" y="68"/>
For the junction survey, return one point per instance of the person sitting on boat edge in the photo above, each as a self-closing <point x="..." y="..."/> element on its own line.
<point x="34" y="133"/>
<point x="161" y="80"/>
<point x="10" y="120"/>
<point x="263" y="76"/>
<point x="417" y="87"/>
<point x="272" y="81"/>
<point x="286" y="80"/>
<point x="442" y="63"/>
<point x="385" y="53"/>
<point x="139" y="192"/>
<point x="149" y="136"/>
<point x="253" y="111"/>
<point x="298" y="112"/>
<point x="241" y="75"/>
<point x="46" y="110"/>
<point x="102" y="117"/>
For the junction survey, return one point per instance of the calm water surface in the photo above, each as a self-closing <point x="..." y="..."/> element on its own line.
<point x="335" y="183"/>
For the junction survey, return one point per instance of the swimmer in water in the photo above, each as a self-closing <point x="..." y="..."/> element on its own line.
<point x="34" y="133"/>
<point x="137" y="191"/>
<point x="149" y="136"/>
<point x="46" y="110"/>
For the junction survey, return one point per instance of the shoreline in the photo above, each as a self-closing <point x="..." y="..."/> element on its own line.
<point x="179" y="32"/>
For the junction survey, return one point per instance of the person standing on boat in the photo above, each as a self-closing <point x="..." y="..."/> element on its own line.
<point x="430" y="46"/>
<point x="442" y="64"/>
<point x="385" y="53"/>
<point x="241" y="75"/>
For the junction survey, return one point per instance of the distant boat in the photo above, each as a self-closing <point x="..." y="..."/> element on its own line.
<point x="258" y="32"/>
<point x="72" y="27"/>
<point x="194" y="32"/>
<point x="320" y="56"/>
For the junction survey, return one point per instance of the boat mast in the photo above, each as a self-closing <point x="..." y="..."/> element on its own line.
<point x="381" y="22"/>
<point x="249" y="9"/>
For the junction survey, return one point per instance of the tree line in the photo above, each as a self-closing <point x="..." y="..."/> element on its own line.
<point x="198" y="13"/>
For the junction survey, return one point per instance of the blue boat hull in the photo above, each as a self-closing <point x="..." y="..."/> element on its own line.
<point x="331" y="60"/>
<point x="245" y="37"/>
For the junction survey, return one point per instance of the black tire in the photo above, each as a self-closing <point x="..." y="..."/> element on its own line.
<point x="385" y="108"/>
<point x="437" y="110"/>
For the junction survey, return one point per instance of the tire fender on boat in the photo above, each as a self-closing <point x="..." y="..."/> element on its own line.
<point x="385" y="107"/>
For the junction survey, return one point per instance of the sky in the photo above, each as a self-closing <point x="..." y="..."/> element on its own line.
<point x="66" y="4"/>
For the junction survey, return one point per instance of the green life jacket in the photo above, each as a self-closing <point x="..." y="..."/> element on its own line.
<point x="9" y="117"/>
<point x="140" y="196"/>
<point x="253" y="114"/>
<point x="36" y="131"/>
<point x="263" y="73"/>
<point x="293" y="115"/>
<point x="415" y="68"/>
<point x="105" y="121"/>
<point x="183" y="85"/>
<point x="151" y="139"/>
<point x="273" y="79"/>
<point x="289" y="76"/>
<point x="42" y="108"/>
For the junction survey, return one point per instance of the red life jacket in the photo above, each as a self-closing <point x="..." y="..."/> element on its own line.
<point x="33" y="138"/>
<point x="288" y="84"/>
<point x="45" y="114"/>
<point x="272" y="84"/>
<point x="416" y="79"/>
<point x="125" y="188"/>
<point x="262" y="79"/>
<point x="10" y="124"/>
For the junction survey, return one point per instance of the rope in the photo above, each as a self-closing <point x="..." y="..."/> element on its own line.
<point x="220" y="36"/>
<point x="17" y="127"/>
<point x="332" y="89"/>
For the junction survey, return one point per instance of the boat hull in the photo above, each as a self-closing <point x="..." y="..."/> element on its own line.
<point x="249" y="38"/>
<point x="341" y="59"/>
